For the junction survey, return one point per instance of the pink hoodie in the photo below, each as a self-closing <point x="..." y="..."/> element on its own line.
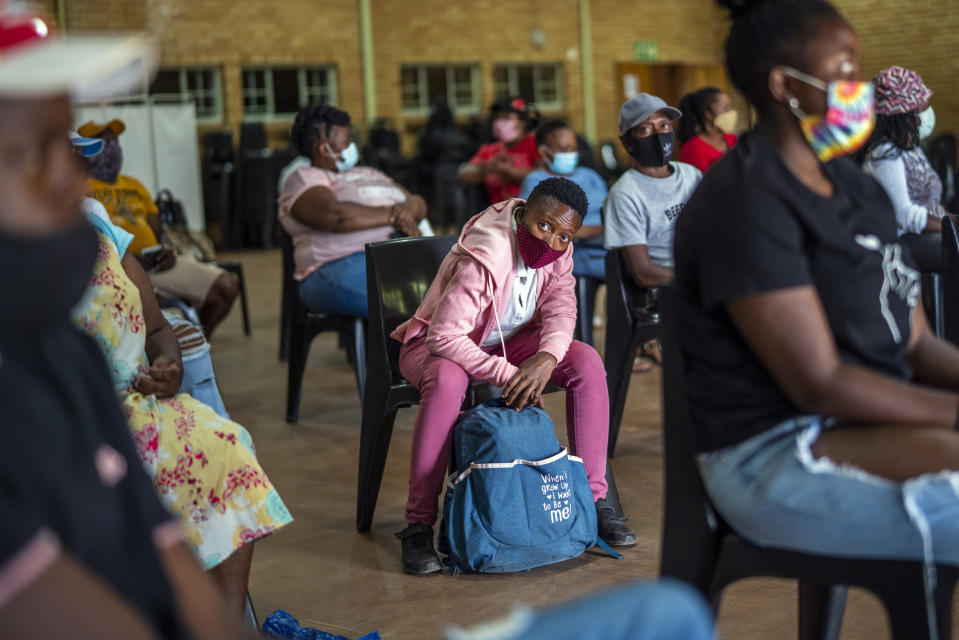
<point x="471" y="290"/>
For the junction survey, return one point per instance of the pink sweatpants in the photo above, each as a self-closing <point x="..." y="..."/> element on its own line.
<point x="442" y="384"/>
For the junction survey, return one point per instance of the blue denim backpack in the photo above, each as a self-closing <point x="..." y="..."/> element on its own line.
<point x="517" y="500"/>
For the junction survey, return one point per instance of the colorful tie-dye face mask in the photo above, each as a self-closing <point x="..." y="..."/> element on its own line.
<point x="849" y="120"/>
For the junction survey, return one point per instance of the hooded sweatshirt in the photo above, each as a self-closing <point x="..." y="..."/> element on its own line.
<point x="463" y="305"/>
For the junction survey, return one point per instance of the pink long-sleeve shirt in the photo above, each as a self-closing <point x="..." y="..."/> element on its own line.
<point x="463" y="305"/>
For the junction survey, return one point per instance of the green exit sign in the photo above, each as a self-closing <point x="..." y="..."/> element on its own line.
<point x="646" y="50"/>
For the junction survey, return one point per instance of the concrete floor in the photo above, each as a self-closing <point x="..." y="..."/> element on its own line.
<point x="331" y="577"/>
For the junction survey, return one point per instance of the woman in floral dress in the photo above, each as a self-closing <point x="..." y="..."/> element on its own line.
<point x="203" y="466"/>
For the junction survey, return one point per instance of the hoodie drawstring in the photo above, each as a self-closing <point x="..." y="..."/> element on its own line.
<point x="499" y="327"/>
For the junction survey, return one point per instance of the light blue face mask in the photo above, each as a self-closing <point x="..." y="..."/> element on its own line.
<point x="350" y="155"/>
<point x="564" y="162"/>
<point x="927" y="122"/>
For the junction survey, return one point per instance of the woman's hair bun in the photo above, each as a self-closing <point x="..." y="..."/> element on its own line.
<point x="737" y="8"/>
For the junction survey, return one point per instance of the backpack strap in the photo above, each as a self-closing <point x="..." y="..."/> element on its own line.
<point x="608" y="549"/>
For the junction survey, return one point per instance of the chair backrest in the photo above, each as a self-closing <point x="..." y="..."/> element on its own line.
<point x="253" y="139"/>
<point x="691" y="527"/>
<point x="218" y="146"/>
<point x="950" y="279"/>
<point x="398" y="274"/>
<point x="942" y="157"/>
<point x="625" y="296"/>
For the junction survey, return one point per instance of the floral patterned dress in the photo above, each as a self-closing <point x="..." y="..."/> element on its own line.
<point x="203" y="467"/>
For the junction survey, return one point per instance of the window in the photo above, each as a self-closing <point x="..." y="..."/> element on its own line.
<point x="283" y="91"/>
<point x="421" y="85"/>
<point x="541" y="84"/>
<point x="202" y="84"/>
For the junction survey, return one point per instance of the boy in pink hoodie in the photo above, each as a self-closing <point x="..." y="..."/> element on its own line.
<point x="502" y="308"/>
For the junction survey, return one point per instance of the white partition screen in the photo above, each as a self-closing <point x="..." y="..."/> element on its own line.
<point x="159" y="148"/>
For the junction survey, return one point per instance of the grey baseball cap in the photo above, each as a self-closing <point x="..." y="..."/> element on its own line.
<point x="640" y="107"/>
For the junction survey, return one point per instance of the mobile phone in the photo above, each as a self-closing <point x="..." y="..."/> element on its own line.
<point x="149" y="251"/>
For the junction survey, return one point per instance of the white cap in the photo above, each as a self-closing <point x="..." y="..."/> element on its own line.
<point x="35" y="64"/>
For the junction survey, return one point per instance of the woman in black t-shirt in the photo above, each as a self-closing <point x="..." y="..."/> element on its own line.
<point x="822" y="406"/>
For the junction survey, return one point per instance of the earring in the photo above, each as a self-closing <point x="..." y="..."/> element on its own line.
<point x="793" y="102"/>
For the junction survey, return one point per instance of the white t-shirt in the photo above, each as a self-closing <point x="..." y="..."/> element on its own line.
<point x="643" y="210"/>
<point x="520" y="306"/>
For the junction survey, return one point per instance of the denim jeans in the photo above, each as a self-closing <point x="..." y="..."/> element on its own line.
<point x="589" y="261"/>
<point x="338" y="287"/>
<point x="774" y="492"/>
<point x="664" y="610"/>
<point x="200" y="382"/>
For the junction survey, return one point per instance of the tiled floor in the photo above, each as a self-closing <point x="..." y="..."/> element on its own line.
<point x="331" y="577"/>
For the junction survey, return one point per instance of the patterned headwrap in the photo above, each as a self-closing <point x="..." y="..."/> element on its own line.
<point x="899" y="90"/>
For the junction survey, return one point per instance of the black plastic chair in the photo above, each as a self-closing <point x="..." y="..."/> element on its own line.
<point x="932" y="302"/>
<point x="631" y="320"/>
<point x="950" y="279"/>
<point x="218" y="174"/>
<point x="236" y="267"/>
<point x="586" y="289"/>
<point x="701" y="549"/>
<point x="298" y="327"/>
<point x="941" y="151"/>
<point x="398" y="274"/>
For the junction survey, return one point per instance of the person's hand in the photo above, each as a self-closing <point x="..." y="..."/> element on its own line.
<point x="162" y="378"/>
<point x="525" y="388"/>
<point x="404" y="220"/>
<point x="164" y="260"/>
<point x="500" y="164"/>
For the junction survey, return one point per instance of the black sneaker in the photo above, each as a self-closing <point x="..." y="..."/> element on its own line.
<point x="419" y="556"/>
<point x="610" y="526"/>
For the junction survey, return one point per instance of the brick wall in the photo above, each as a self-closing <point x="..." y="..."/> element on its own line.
<point x="481" y="32"/>
<point x="920" y="34"/>
<point x="687" y="31"/>
<point x="238" y="33"/>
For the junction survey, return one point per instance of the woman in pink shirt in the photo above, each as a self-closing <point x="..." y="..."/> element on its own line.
<point x="332" y="208"/>
<point x="706" y="130"/>
<point x="502" y="308"/>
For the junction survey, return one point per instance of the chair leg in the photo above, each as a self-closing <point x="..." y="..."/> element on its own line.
<point x="821" y="608"/>
<point x="299" y="348"/>
<point x="249" y="613"/>
<point x="582" y="327"/>
<point x="243" y="303"/>
<point x="944" y="594"/>
<point x="612" y="493"/>
<point x="589" y="310"/>
<point x="375" y="436"/>
<point x="619" y="367"/>
<point x="908" y="617"/>
<point x="286" y="316"/>
<point x="358" y="340"/>
<point x="937" y="304"/>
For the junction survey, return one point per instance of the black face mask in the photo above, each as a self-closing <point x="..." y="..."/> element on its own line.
<point x="105" y="166"/>
<point x="45" y="277"/>
<point x="654" y="150"/>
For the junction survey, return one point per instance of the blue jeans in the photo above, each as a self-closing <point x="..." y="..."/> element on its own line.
<point x="200" y="382"/>
<point x="664" y="610"/>
<point x="338" y="287"/>
<point x="589" y="261"/>
<point x="774" y="492"/>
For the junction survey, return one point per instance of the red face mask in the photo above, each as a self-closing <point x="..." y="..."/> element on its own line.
<point x="536" y="253"/>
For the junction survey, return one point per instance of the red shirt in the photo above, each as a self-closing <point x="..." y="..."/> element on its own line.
<point x="701" y="154"/>
<point x="523" y="154"/>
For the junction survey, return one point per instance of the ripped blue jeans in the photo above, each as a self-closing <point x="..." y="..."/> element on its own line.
<point x="773" y="491"/>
